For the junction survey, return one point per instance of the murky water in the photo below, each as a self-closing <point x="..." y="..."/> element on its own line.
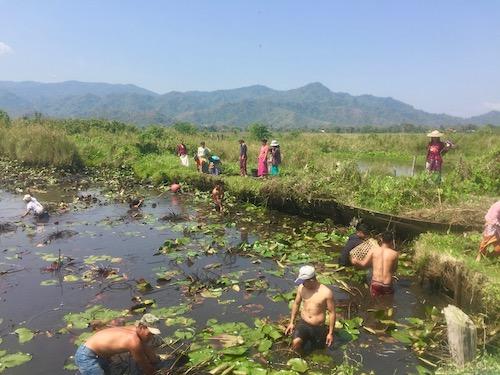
<point x="107" y="229"/>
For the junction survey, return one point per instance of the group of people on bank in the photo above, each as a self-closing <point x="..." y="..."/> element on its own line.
<point x="268" y="160"/>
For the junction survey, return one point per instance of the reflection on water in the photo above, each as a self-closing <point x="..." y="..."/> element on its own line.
<point x="106" y="229"/>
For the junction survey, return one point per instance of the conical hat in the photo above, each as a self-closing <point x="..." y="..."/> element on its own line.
<point x="435" y="134"/>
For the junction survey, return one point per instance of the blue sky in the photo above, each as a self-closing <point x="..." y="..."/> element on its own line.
<point x="439" y="56"/>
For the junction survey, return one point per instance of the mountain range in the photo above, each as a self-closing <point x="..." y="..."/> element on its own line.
<point x="310" y="106"/>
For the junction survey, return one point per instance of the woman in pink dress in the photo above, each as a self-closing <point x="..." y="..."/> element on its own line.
<point x="262" y="160"/>
<point x="491" y="233"/>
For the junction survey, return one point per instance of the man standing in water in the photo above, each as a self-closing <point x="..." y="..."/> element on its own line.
<point x="92" y="357"/>
<point x="317" y="299"/>
<point x="354" y="240"/>
<point x="384" y="262"/>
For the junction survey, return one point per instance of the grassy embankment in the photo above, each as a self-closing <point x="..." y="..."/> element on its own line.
<point x="448" y="262"/>
<point x="314" y="165"/>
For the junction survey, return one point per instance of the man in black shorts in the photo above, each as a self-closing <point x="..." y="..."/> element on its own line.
<point x="317" y="298"/>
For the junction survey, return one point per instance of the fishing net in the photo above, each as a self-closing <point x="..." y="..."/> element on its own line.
<point x="360" y="251"/>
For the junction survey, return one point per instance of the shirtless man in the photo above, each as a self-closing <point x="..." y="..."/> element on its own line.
<point x="317" y="299"/>
<point x="384" y="262"/>
<point x="92" y="357"/>
<point x="218" y="196"/>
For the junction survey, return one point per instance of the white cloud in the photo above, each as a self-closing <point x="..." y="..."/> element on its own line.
<point x="5" y="49"/>
<point x="493" y="106"/>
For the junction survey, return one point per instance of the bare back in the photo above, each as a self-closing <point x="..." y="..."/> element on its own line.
<point x="384" y="263"/>
<point x="314" y="304"/>
<point x="110" y="341"/>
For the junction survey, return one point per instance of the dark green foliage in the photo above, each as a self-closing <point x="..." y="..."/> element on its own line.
<point x="185" y="128"/>
<point x="259" y="131"/>
<point x="4" y="119"/>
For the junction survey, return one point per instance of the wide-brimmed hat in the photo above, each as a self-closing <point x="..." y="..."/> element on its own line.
<point x="435" y="134"/>
<point x="274" y="143"/>
<point x="305" y="273"/>
<point x="27" y="198"/>
<point x="150" y="321"/>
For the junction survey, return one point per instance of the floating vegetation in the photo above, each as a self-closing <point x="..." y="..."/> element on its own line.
<point x="58" y="235"/>
<point x="7" y="227"/>
<point x="12" y="360"/>
<point x="95" y="313"/>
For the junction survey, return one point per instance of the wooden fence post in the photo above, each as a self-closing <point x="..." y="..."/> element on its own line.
<point x="413" y="165"/>
<point x="462" y="335"/>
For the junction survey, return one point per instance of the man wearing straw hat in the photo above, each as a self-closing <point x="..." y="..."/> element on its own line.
<point x="435" y="150"/>
<point x="92" y="357"/>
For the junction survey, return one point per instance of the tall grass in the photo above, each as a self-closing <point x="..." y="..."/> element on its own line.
<point x="40" y="146"/>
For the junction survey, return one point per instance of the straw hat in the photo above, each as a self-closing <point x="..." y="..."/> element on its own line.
<point x="274" y="143"/>
<point x="435" y="134"/>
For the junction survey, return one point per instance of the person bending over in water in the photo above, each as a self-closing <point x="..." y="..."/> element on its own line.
<point x="218" y="196"/>
<point x="34" y="207"/>
<point x="317" y="299"/>
<point x="92" y="357"/>
<point x="384" y="262"/>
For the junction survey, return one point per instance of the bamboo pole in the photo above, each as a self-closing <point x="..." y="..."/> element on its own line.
<point x="462" y="335"/>
<point x="413" y="165"/>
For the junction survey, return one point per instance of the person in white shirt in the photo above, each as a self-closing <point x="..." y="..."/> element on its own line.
<point x="203" y="154"/>
<point x="33" y="206"/>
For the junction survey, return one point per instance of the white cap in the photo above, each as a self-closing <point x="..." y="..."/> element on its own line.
<point x="150" y="321"/>
<point x="27" y="198"/>
<point x="305" y="273"/>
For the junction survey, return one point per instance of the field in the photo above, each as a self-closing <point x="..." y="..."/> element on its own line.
<point x="355" y="169"/>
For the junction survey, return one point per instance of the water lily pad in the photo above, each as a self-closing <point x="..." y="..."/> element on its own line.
<point x="212" y="293"/>
<point x="180" y="320"/>
<point x="202" y="355"/>
<point x="71" y="278"/>
<point x="24" y="334"/>
<point x="13" y="360"/>
<point x="184" y="334"/>
<point x="83" y="319"/>
<point x="69" y="364"/>
<point x="298" y="364"/>
<point x="264" y="345"/>
<point x="402" y="336"/>
<point x="49" y="282"/>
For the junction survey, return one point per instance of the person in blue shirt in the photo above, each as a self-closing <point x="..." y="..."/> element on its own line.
<point x="362" y="232"/>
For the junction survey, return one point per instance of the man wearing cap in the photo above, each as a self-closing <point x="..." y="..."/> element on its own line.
<point x="34" y="207"/>
<point x="92" y="357"/>
<point x="317" y="299"/>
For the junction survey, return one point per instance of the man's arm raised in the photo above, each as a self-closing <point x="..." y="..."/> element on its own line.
<point x="295" y="309"/>
<point x="330" y="305"/>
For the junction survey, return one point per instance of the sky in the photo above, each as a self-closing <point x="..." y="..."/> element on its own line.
<point x="439" y="56"/>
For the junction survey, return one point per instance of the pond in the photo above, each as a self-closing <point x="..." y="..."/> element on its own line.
<point x="179" y="252"/>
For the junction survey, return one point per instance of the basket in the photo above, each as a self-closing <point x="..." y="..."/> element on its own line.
<point x="360" y="251"/>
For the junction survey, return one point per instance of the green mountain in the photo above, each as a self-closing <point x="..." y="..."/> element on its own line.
<point x="310" y="106"/>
